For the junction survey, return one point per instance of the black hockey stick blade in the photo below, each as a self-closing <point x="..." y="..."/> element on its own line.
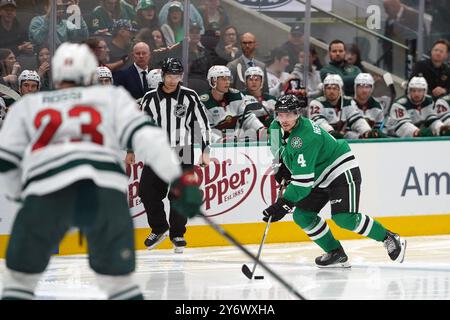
<point x="247" y="272"/>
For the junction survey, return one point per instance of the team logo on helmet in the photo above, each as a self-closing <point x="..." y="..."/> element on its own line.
<point x="296" y="142"/>
<point x="180" y="111"/>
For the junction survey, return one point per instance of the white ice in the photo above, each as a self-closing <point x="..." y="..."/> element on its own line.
<point x="214" y="273"/>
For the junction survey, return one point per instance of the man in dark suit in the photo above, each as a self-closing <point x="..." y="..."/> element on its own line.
<point x="134" y="79"/>
<point x="246" y="60"/>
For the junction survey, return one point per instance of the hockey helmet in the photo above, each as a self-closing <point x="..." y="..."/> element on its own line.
<point x="29" y="75"/>
<point x="417" y="83"/>
<point x="171" y="66"/>
<point x="364" y="79"/>
<point x="287" y="103"/>
<point x="255" y="71"/>
<point x="218" y="71"/>
<point x="333" y="79"/>
<point x="74" y="63"/>
<point x="154" y="77"/>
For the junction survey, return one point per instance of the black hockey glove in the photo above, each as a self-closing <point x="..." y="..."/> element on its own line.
<point x="424" y="132"/>
<point x="281" y="172"/>
<point x="186" y="197"/>
<point x="445" y="131"/>
<point x="336" y="134"/>
<point x="373" y="134"/>
<point x="278" y="210"/>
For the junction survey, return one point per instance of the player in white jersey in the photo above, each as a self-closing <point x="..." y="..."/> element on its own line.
<point x="60" y="154"/>
<point x="442" y="107"/>
<point x="29" y="82"/>
<point x="104" y="76"/>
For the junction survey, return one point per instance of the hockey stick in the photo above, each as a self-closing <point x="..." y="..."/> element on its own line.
<point x="231" y="239"/>
<point x="387" y="77"/>
<point x="245" y="269"/>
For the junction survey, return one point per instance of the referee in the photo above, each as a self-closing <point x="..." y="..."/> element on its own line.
<point x="178" y="110"/>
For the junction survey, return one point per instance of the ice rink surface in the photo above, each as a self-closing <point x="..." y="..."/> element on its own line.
<point x="214" y="273"/>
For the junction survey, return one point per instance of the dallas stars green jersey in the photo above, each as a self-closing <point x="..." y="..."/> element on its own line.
<point x="313" y="157"/>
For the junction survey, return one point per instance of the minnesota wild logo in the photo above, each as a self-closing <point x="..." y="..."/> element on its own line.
<point x="296" y="142"/>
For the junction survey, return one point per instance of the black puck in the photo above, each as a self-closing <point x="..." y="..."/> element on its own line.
<point x="259" y="277"/>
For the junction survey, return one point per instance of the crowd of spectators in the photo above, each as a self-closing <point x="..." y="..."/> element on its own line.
<point x="132" y="37"/>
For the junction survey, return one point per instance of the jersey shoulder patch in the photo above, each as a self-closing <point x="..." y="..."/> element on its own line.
<point x="204" y="97"/>
<point x="321" y="99"/>
<point x="402" y="100"/>
<point x="234" y="91"/>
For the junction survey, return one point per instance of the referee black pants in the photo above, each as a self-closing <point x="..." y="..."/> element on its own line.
<point x="152" y="191"/>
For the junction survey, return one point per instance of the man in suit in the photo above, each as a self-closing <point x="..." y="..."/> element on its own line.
<point x="134" y="79"/>
<point x="246" y="60"/>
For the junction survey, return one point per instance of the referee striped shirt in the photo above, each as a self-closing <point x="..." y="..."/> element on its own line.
<point x="181" y="114"/>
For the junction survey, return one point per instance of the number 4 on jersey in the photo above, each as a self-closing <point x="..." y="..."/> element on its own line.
<point x="301" y="160"/>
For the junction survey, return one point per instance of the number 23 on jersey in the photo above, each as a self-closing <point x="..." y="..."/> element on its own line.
<point x="88" y="131"/>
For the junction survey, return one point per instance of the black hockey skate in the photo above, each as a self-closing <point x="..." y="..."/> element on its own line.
<point x="154" y="239"/>
<point x="333" y="259"/>
<point x="395" y="245"/>
<point x="179" y="243"/>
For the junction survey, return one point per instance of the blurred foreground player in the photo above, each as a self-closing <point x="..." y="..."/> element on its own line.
<point x="60" y="154"/>
<point x="321" y="169"/>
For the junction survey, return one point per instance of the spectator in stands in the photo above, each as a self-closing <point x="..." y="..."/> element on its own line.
<point x="173" y="29"/>
<point x="293" y="46"/>
<point x="158" y="39"/>
<point x="194" y="15"/>
<point x="228" y="46"/>
<point x="146" y="16"/>
<point x="134" y="78"/>
<point x="212" y="11"/>
<point x="239" y="65"/>
<point x="338" y="65"/>
<point x="43" y="70"/>
<point x="101" y="51"/>
<point x="353" y="57"/>
<point x="435" y="70"/>
<point x="315" y="60"/>
<point x="337" y="114"/>
<point x="277" y="77"/>
<point x="254" y="79"/>
<point x="13" y="35"/>
<point x="314" y="84"/>
<point x="65" y="30"/>
<point x="122" y="36"/>
<point x="102" y="18"/>
<point x="9" y="68"/>
<point x="414" y="115"/>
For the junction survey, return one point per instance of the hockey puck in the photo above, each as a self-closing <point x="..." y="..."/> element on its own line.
<point x="259" y="277"/>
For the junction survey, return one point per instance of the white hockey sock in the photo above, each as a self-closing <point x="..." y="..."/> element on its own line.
<point x="19" y="285"/>
<point x="119" y="287"/>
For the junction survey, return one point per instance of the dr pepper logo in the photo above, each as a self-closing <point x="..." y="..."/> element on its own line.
<point x="226" y="183"/>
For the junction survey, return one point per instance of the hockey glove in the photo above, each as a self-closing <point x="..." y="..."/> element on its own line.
<point x="281" y="172"/>
<point x="186" y="197"/>
<point x="445" y="131"/>
<point x="424" y="132"/>
<point x="278" y="210"/>
<point x="336" y="134"/>
<point x="373" y="134"/>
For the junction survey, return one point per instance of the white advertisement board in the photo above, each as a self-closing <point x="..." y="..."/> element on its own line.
<point x="284" y="5"/>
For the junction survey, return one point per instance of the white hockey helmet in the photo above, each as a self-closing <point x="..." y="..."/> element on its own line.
<point x="104" y="72"/>
<point x="154" y="77"/>
<point x="333" y="79"/>
<point x="364" y="79"/>
<point x="418" y="83"/>
<point x="74" y="63"/>
<point x="29" y="75"/>
<point x="217" y="71"/>
<point x="255" y="71"/>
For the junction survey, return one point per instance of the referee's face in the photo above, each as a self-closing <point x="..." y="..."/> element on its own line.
<point x="171" y="81"/>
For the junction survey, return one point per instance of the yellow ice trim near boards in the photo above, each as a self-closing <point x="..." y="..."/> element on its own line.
<point x="251" y="233"/>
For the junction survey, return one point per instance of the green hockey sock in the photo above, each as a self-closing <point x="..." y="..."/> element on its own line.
<point x="361" y="224"/>
<point x="317" y="230"/>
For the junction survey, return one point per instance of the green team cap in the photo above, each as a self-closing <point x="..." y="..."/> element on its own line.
<point x="145" y="4"/>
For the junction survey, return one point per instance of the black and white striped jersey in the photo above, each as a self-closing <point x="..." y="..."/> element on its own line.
<point x="181" y="114"/>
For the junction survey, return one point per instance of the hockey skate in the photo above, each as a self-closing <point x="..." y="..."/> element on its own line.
<point x="333" y="259"/>
<point x="396" y="246"/>
<point x="179" y="243"/>
<point x="154" y="239"/>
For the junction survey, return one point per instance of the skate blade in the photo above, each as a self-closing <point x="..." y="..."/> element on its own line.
<point x="341" y="265"/>
<point x="159" y="241"/>
<point x="178" y="249"/>
<point x="401" y="256"/>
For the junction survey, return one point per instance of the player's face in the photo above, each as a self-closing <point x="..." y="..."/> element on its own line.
<point x="28" y="86"/>
<point x="417" y="95"/>
<point x="254" y="83"/>
<point x="105" y="81"/>
<point x="223" y="84"/>
<point x="287" y="120"/>
<point x="332" y="92"/>
<point x="363" y="92"/>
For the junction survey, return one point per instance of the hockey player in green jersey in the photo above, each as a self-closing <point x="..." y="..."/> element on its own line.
<point x="414" y="115"/>
<point x="319" y="169"/>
